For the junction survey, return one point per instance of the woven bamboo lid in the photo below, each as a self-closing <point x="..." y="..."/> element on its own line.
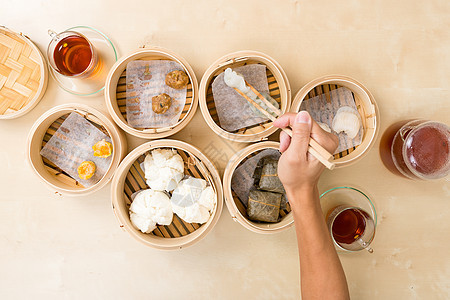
<point x="130" y="178"/>
<point x="279" y="90"/>
<point x="44" y="128"/>
<point x="23" y="74"/>
<point x="236" y="207"/>
<point x="365" y="103"/>
<point x="115" y="93"/>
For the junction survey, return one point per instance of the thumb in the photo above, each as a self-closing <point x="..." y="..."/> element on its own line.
<point x="301" y="131"/>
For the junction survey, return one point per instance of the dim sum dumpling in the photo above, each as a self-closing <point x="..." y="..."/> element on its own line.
<point x="163" y="168"/>
<point x="347" y="120"/>
<point x="193" y="201"/>
<point x="237" y="81"/>
<point x="149" y="208"/>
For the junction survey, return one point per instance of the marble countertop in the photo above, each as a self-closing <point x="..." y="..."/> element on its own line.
<point x="70" y="248"/>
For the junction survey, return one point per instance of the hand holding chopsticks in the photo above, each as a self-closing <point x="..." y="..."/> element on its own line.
<point x="314" y="148"/>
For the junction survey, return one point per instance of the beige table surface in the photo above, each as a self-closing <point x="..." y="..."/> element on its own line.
<point x="72" y="248"/>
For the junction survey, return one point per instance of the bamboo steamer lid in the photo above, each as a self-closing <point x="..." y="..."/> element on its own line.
<point x="23" y="74"/>
<point x="279" y="89"/>
<point x="365" y="103"/>
<point x="44" y="128"/>
<point x="115" y="92"/>
<point x="130" y="178"/>
<point x="236" y="207"/>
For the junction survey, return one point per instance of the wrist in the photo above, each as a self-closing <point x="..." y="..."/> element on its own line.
<point x="303" y="196"/>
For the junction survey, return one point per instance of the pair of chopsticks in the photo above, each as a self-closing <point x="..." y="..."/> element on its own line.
<point x="314" y="147"/>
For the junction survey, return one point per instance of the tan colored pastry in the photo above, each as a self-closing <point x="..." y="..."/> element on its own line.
<point x="161" y="103"/>
<point x="177" y="79"/>
<point x="102" y="149"/>
<point x="86" y="169"/>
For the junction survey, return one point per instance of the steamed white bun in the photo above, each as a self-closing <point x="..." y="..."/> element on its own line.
<point x="149" y="208"/>
<point x="163" y="168"/>
<point x="193" y="201"/>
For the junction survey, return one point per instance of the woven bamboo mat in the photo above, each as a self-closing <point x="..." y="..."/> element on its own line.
<point x="20" y="72"/>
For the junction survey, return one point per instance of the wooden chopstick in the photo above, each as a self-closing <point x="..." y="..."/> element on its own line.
<point x="264" y="100"/>
<point x="314" y="147"/>
<point x="256" y="105"/>
<point x="317" y="151"/>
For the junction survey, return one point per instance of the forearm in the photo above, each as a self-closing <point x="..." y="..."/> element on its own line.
<point x="322" y="276"/>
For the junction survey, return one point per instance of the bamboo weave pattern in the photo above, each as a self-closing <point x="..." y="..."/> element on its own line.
<point x="20" y="72"/>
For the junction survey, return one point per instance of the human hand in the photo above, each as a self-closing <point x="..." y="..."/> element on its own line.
<point x="298" y="170"/>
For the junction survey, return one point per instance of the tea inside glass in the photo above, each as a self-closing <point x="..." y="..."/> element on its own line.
<point x="71" y="54"/>
<point x="351" y="228"/>
<point x="420" y="149"/>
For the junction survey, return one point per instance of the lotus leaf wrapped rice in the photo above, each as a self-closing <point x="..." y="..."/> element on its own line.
<point x="263" y="206"/>
<point x="284" y="202"/>
<point x="269" y="180"/>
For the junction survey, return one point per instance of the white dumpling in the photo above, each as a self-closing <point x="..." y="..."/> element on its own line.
<point x="208" y="198"/>
<point x="193" y="201"/>
<point x="163" y="168"/>
<point x="235" y="80"/>
<point x="347" y="120"/>
<point x="149" y="208"/>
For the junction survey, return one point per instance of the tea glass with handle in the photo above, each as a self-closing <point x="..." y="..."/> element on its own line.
<point x="71" y="54"/>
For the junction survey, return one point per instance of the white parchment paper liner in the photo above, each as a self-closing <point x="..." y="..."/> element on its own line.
<point x="145" y="79"/>
<point x="323" y="108"/>
<point x="72" y="144"/>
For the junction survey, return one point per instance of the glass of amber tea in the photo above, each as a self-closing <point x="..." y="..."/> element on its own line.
<point x="71" y="54"/>
<point x="421" y="150"/>
<point x="351" y="218"/>
<point x="351" y="228"/>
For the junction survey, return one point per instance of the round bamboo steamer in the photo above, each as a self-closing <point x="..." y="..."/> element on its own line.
<point x="23" y="74"/>
<point x="115" y="92"/>
<point x="130" y="178"/>
<point x="279" y="89"/>
<point x="44" y="128"/>
<point x="365" y="103"/>
<point x="236" y="207"/>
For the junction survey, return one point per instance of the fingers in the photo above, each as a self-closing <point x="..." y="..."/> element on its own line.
<point x="328" y="140"/>
<point x="285" y="141"/>
<point x="316" y="129"/>
<point x="301" y="132"/>
<point x="285" y="120"/>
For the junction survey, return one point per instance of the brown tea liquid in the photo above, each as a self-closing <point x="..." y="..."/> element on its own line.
<point x="72" y="55"/>
<point x="349" y="225"/>
<point x="427" y="152"/>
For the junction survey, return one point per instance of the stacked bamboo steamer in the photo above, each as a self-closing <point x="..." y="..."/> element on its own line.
<point x="115" y="93"/>
<point x="129" y="176"/>
<point x="279" y="89"/>
<point x="236" y="206"/>
<point x="365" y="104"/>
<point x="129" y="179"/>
<point x="46" y="126"/>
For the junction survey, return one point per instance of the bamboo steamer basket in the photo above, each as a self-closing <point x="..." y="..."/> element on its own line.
<point x="115" y="93"/>
<point x="236" y="207"/>
<point x="279" y="89"/>
<point x="365" y="103"/>
<point x="23" y="74"/>
<point x="44" y="128"/>
<point x="130" y="178"/>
